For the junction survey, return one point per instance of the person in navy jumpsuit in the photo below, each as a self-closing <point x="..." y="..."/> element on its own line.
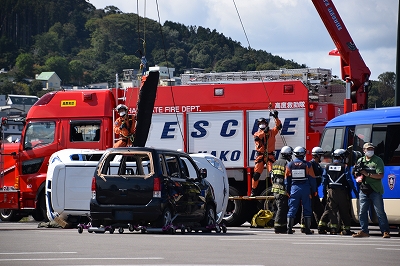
<point x="299" y="183"/>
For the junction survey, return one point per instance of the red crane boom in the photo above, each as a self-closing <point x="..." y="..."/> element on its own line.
<point x="353" y="68"/>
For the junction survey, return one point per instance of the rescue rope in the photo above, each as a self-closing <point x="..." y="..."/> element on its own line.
<point x="170" y="86"/>
<point x="265" y="88"/>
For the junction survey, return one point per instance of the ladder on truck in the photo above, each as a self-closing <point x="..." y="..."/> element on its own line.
<point x="119" y="100"/>
<point x="306" y="75"/>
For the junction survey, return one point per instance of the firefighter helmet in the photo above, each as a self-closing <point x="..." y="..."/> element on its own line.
<point x="287" y="152"/>
<point x="262" y="120"/>
<point x="317" y="151"/>
<point x="339" y="153"/>
<point x="299" y="151"/>
<point x="121" y="106"/>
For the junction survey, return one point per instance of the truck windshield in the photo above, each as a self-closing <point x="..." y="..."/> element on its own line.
<point x="38" y="134"/>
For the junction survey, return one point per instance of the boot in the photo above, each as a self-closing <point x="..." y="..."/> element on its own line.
<point x="290" y="224"/>
<point x="321" y="230"/>
<point x="253" y="192"/>
<point x="302" y="228"/>
<point x="308" y="231"/>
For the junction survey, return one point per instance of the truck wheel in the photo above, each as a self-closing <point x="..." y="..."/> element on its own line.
<point x="7" y="215"/>
<point x="235" y="211"/>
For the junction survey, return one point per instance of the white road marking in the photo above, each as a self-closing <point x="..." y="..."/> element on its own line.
<point x="33" y="253"/>
<point x="65" y="259"/>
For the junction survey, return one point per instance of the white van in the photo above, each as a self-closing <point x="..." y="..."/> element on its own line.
<point x="69" y="180"/>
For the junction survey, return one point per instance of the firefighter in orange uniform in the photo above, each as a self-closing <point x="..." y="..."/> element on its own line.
<point x="124" y="126"/>
<point x="264" y="140"/>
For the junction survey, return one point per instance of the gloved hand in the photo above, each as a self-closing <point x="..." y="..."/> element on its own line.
<point x="274" y="114"/>
<point x="122" y="126"/>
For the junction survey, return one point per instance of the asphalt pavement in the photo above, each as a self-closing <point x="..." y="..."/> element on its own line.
<point x="23" y="243"/>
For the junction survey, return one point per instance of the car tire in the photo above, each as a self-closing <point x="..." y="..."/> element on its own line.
<point x="165" y="219"/>
<point x="41" y="207"/>
<point x="210" y="216"/>
<point x="235" y="211"/>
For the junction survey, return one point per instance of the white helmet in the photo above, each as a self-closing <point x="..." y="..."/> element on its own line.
<point x="339" y="153"/>
<point x="299" y="151"/>
<point x="121" y="106"/>
<point x="287" y="152"/>
<point x="317" y="151"/>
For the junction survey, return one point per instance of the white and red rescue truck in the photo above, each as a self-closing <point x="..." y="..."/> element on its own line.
<point x="217" y="113"/>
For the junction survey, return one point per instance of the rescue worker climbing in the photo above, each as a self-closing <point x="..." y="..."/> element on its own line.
<point x="338" y="182"/>
<point x="124" y="127"/>
<point x="279" y="190"/>
<point x="316" y="204"/>
<point x="264" y="140"/>
<point x="299" y="185"/>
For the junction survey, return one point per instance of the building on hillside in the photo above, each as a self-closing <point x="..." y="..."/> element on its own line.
<point x="2" y="100"/>
<point x="166" y="75"/>
<point x="130" y="79"/>
<point x="22" y="102"/>
<point x="50" y="80"/>
<point x="12" y="130"/>
<point x="14" y="108"/>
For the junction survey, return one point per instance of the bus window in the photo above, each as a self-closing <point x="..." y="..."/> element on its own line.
<point x="362" y="135"/>
<point x="378" y="139"/>
<point x="332" y="139"/>
<point x="391" y="150"/>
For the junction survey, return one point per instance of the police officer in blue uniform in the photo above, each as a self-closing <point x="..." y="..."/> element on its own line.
<point x="299" y="183"/>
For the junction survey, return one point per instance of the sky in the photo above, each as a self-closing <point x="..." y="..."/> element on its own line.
<point x="291" y="29"/>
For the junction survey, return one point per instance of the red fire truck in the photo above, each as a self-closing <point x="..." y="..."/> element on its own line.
<point x="217" y="113"/>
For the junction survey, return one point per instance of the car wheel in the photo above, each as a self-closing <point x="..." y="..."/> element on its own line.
<point x="7" y="215"/>
<point x="165" y="219"/>
<point x="210" y="216"/>
<point x="235" y="214"/>
<point x="41" y="207"/>
<point x="37" y="215"/>
<point x="80" y="229"/>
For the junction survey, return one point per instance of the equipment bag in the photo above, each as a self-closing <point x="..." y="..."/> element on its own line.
<point x="261" y="218"/>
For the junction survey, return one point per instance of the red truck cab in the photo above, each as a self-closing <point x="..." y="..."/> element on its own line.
<point x="59" y="120"/>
